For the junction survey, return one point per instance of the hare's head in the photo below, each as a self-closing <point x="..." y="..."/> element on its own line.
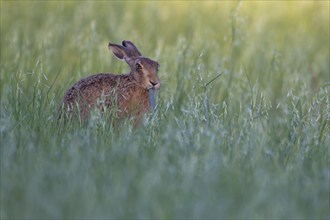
<point x="144" y="70"/>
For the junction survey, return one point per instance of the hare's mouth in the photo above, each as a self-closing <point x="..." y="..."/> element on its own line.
<point x="154" y="85"/>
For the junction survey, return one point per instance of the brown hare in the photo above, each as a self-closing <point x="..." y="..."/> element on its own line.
<point x="124" y="95"/>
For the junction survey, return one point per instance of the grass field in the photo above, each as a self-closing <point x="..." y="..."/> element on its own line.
<point x="253" y="143"/>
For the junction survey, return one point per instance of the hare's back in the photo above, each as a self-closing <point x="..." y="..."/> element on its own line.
<point x="91" y="87"/>
<point x="97" y="81"/>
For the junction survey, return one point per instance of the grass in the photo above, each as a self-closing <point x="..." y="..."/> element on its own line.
<point x="253" y="143"/>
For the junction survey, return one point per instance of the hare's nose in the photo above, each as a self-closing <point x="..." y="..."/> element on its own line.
<point x="155" y="85"/>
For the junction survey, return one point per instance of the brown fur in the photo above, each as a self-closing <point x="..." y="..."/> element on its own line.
<point x="127" y="94"/>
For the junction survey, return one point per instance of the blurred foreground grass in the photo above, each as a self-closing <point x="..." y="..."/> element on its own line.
<point x="252" y="144"/>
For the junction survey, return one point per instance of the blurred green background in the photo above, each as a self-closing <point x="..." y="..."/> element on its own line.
<point x="254" y="143"/>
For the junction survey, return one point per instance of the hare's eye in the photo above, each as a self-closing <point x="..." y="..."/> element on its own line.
<point x="138" y="66"/>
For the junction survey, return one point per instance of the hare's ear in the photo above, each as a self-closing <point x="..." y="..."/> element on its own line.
<point x="118" y="51"/>
<point x="132" y="48"/>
